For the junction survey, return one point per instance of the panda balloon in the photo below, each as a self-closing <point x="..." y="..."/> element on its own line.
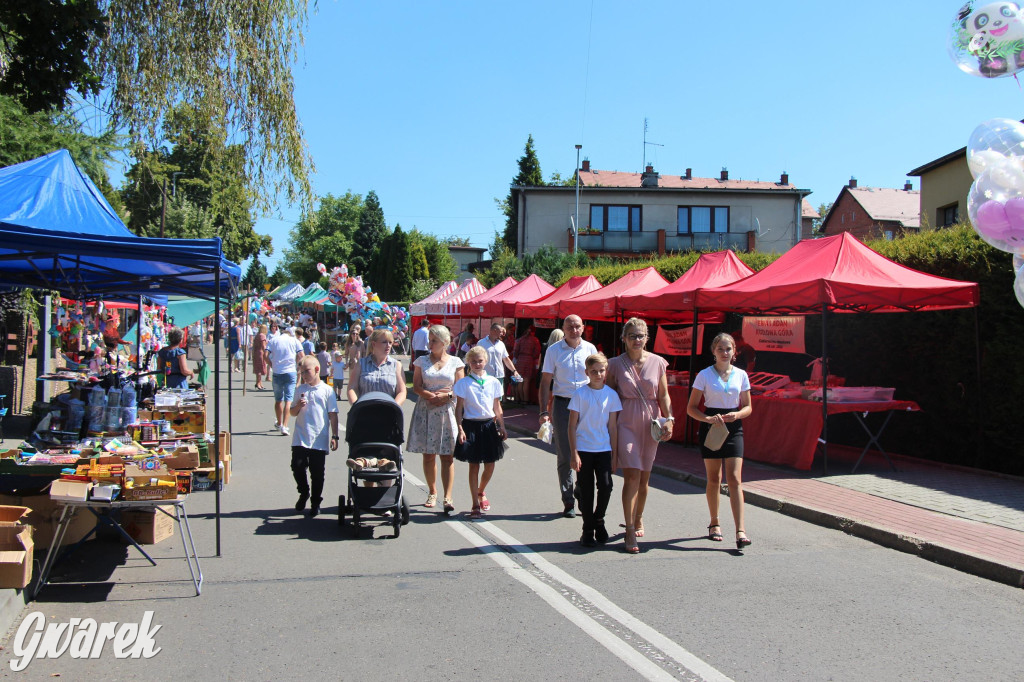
<point x="987" y="39"/>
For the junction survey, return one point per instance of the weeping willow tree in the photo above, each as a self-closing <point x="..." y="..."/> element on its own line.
<point x="230" y="61"/>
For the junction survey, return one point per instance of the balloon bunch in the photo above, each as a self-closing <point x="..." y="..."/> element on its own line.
<point x="361" y="303"/>
<point x="986" y="39"/>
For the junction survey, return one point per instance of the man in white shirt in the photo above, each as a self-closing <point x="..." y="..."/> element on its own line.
<point x="497" y="355"/>
<point x="565" y="366"/>
<point x="283" y="353"/>
<point x="421" y="340"/>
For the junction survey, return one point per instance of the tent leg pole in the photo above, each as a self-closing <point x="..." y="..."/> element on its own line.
<point x="690" y="374"/>
<point x="978" y="448"/>
<point x="216" y="407"/>
<point x="824" y="385"/>
<point x="138" y="350"/>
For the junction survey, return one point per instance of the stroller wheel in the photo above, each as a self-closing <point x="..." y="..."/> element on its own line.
<point x="404" y="515"/>
<point x="398" y="526"/>
<point x="341" y="510"/>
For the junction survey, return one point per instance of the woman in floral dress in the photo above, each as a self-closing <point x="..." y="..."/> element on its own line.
<point x="434" y="431"/>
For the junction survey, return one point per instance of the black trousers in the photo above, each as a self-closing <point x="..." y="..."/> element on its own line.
<point x="595" y="468"/>
<point x="315" y="461"/>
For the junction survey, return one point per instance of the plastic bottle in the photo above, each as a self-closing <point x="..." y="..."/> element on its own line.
<point x="97" y="409"/>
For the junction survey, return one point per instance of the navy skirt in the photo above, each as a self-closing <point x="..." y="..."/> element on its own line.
<point x="483" y="444"/>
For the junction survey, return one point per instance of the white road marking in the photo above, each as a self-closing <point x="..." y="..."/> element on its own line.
<point x="557" y="601"/>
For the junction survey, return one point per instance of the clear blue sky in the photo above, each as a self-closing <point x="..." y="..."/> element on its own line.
<point x="430" y="104"/>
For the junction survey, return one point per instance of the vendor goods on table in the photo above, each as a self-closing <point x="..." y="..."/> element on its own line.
<point x="764" y="381"/>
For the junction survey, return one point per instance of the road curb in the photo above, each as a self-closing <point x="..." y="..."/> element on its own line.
<point x="909" y="544"/>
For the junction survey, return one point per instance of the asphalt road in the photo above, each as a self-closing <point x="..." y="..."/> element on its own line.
<point x="515" y="597"/>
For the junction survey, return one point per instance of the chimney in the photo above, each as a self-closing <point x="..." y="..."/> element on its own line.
<point x="586" y="166"/>
<point x="649" y="178"/>
<point x="853" y="183"/>
<point x="907" y="187"/>
<point x="784" y="180"/>
<point x="689" y="174"/>
<point x="725" y="173"/>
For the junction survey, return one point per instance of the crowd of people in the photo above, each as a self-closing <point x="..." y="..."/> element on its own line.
<point x="606" y="414"/>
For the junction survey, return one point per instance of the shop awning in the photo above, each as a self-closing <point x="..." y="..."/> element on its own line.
<point x="677" y="301"/>
<point x="840" y="274"/>
<point x="57" y="231"/>
<point x="601" y="304"/>
<point x="468" y="289"/>
<point x="420" y="307"/>
<point x="547" y="307"/>
<point x="503" y="303"/>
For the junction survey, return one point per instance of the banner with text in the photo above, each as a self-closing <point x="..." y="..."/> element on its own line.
<point x="677" y="341"/>
<point x="782" y="334"/>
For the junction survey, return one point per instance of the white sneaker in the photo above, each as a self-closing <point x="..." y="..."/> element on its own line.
<point x="277" y="425"/>
<point x="284" y="430"/>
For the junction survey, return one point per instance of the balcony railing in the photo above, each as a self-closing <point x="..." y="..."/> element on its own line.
<point x="647" y="242"/>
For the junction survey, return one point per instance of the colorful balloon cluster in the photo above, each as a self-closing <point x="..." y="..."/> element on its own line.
<point x="986" y="39"/>
<point x="361" y="303"/>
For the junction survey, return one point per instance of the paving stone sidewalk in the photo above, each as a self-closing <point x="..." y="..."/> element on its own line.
<point x="966" y="519"/>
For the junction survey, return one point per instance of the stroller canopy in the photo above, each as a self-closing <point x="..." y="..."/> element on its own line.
<point x="375" y="418"/>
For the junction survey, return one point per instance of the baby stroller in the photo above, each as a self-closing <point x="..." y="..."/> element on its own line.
<point x="375" y="430"/>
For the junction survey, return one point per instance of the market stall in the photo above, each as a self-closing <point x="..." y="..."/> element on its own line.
<point x="419" y="309"/>
<point x="834" y="275"/>
<point x="601" y="304"/>
<point x="465" y="291"/>
<point x="546" y="308"/>
<point x="57" y="232"/>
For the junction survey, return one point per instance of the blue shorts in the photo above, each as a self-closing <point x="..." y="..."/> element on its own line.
<point x="284" y="387"/>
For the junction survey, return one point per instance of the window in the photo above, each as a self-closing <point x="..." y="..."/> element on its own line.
<point x="608" y="218"/>
<point x="949" y="215"/>
<point x="694" y="219"/>
<point x="890" y="235"/>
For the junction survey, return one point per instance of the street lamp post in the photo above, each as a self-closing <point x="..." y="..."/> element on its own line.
<point x="576" y="225"/>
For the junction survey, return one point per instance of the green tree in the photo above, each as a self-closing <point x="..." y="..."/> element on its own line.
<point x="278" y="277"/>
<point x="398" y="280"/>
<point x="372" y="231"/>
<point x="44" y="47"/>
<point x="322" y="236"/>
<point x="529" y="175"/>
<point x="440" y="264"/>
<point x="823" y="209"/>
<point x="455" y="240"/>
<point x="256" y="276"/>
<point x="25" y="136"/>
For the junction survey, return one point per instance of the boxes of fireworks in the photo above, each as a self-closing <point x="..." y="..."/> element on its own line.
<point x="141" y="485"/>
<point x="185" y="457"/>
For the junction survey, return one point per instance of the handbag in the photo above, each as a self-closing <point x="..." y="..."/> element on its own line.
<point x="716" y="437"/>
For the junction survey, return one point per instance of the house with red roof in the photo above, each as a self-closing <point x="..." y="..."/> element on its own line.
<point x="874" y="212"/>
<point x="639" y="214"/>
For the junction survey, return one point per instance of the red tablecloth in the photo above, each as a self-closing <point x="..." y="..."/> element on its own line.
<point x="786" y="430"/>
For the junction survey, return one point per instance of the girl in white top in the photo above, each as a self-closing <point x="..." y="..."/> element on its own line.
<point x="481" y="426"/>
<point x="726" y="393"/>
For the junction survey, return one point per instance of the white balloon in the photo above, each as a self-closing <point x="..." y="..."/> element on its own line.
<point x="993" y="143"/>
<point x="1018" y="286"/>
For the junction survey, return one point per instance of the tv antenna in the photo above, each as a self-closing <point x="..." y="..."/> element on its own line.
<point x="653" y="144"/>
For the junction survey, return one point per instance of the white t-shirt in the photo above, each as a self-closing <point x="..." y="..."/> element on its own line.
<point x="568" y="366"/>
<point x="479" y="396"/>
<point x="339" y="369"/>
<point x="421" y="339"/>
<point x="312" y="426"/>
<point x="720" y="394"/>
<point x="594" y="407"/>
<point x="496" y="353"/>
<point x="283" y="349"/>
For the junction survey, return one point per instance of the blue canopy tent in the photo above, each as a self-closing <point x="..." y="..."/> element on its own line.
<point x="58" y="232"/>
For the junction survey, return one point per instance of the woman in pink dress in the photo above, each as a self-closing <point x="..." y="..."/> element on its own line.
<point x="641" y="381"/>
<point x="259" y="359"/>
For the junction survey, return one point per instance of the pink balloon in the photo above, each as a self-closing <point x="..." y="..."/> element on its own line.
<point x="1015" y="216"/>
<point x="992" y="220"/>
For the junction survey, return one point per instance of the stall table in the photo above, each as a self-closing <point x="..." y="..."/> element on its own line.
<point x="102" y="512"/>
<point x="787" y="431"/>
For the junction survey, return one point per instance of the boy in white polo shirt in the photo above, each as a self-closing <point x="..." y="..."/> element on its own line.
<point x="593" y="434"/>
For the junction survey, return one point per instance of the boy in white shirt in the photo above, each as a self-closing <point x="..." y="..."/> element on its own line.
<point x="593" y="434"/>
<point x="315" y="407"/>
<point x="338" y="368"/>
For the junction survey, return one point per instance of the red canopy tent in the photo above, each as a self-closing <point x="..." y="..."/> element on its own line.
<point x="547" y="307"/>
<point x="677" y="301"/>
<point x="838" y="274"/>
<point x="601" y="304"/>
<point x="468" y="308"/>
<point x="503" y="304"/>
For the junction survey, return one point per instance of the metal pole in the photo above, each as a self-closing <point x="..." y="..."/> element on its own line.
<point x="216" y="405"/>
<point x="138" y="350"/>
<point x="824" y="384"/>
<point x="576" y="225"/>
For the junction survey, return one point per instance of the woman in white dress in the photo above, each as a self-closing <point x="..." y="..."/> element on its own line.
<point x="433" y="431"/>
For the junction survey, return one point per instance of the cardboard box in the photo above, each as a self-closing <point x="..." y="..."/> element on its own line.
<point x="71" y="491"/>
<point x="225" y="470"/>
<point x="147" y="526"/>
<point x="141" y="485"/>
<point x="186" y="457"/>
<point x="11" y="515"/>
<point x="16" y="553"/>
<point x="43" y="515"/>
<point x="203" y="478"/>
<point x="224" y="444"/>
